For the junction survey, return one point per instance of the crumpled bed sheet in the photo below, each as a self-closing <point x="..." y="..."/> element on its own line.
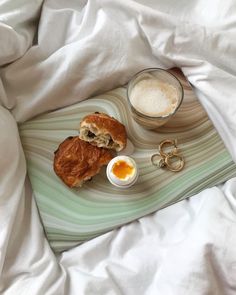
<point x="55" y="53"/>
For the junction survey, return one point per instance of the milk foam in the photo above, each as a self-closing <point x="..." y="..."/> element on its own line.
<point x="154" y="98"/>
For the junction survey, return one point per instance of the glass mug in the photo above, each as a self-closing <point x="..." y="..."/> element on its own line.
<point x="165" y="79"/>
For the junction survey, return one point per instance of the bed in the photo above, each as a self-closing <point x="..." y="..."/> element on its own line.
<point x="56" y="53"/>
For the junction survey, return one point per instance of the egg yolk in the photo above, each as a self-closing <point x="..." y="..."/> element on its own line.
<point x="121" y="169"/>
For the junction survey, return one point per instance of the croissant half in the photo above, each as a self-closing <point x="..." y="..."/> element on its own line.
<point x="76" y="161"/>
<point x="102" y="130"/>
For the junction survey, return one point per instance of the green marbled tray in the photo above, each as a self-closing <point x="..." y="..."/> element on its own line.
<point x="73" y="216"/>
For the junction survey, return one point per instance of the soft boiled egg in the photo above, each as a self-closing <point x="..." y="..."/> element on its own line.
<point x="122" y="171"/>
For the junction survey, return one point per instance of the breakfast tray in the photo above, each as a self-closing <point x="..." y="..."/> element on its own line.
<point x="72" y="216"/>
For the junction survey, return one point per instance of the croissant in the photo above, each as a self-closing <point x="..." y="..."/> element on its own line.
<point x="101" y="130"/>
<point x="77" y="161"/>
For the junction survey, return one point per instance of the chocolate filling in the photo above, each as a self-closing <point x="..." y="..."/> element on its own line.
<point x="91" y="134"/>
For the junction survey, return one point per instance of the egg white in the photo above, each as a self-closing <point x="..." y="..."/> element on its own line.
<point x="122" y="181"/>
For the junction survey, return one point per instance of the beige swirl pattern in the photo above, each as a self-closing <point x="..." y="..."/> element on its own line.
<point x="72" y="216"/>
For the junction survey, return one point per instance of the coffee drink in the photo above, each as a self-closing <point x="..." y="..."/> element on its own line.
<point x="154" y="95"/>
<point x="154" y="98"/>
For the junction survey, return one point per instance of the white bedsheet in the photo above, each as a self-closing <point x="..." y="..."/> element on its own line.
<point x="80" y="49"/>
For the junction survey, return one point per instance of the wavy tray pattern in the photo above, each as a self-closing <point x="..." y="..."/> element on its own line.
<point x="72" y="216"/>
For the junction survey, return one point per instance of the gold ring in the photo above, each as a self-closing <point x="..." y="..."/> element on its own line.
<point x="168" y="142"/>
<point x="161" y="161"/>
<point x="170" y="166"/>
